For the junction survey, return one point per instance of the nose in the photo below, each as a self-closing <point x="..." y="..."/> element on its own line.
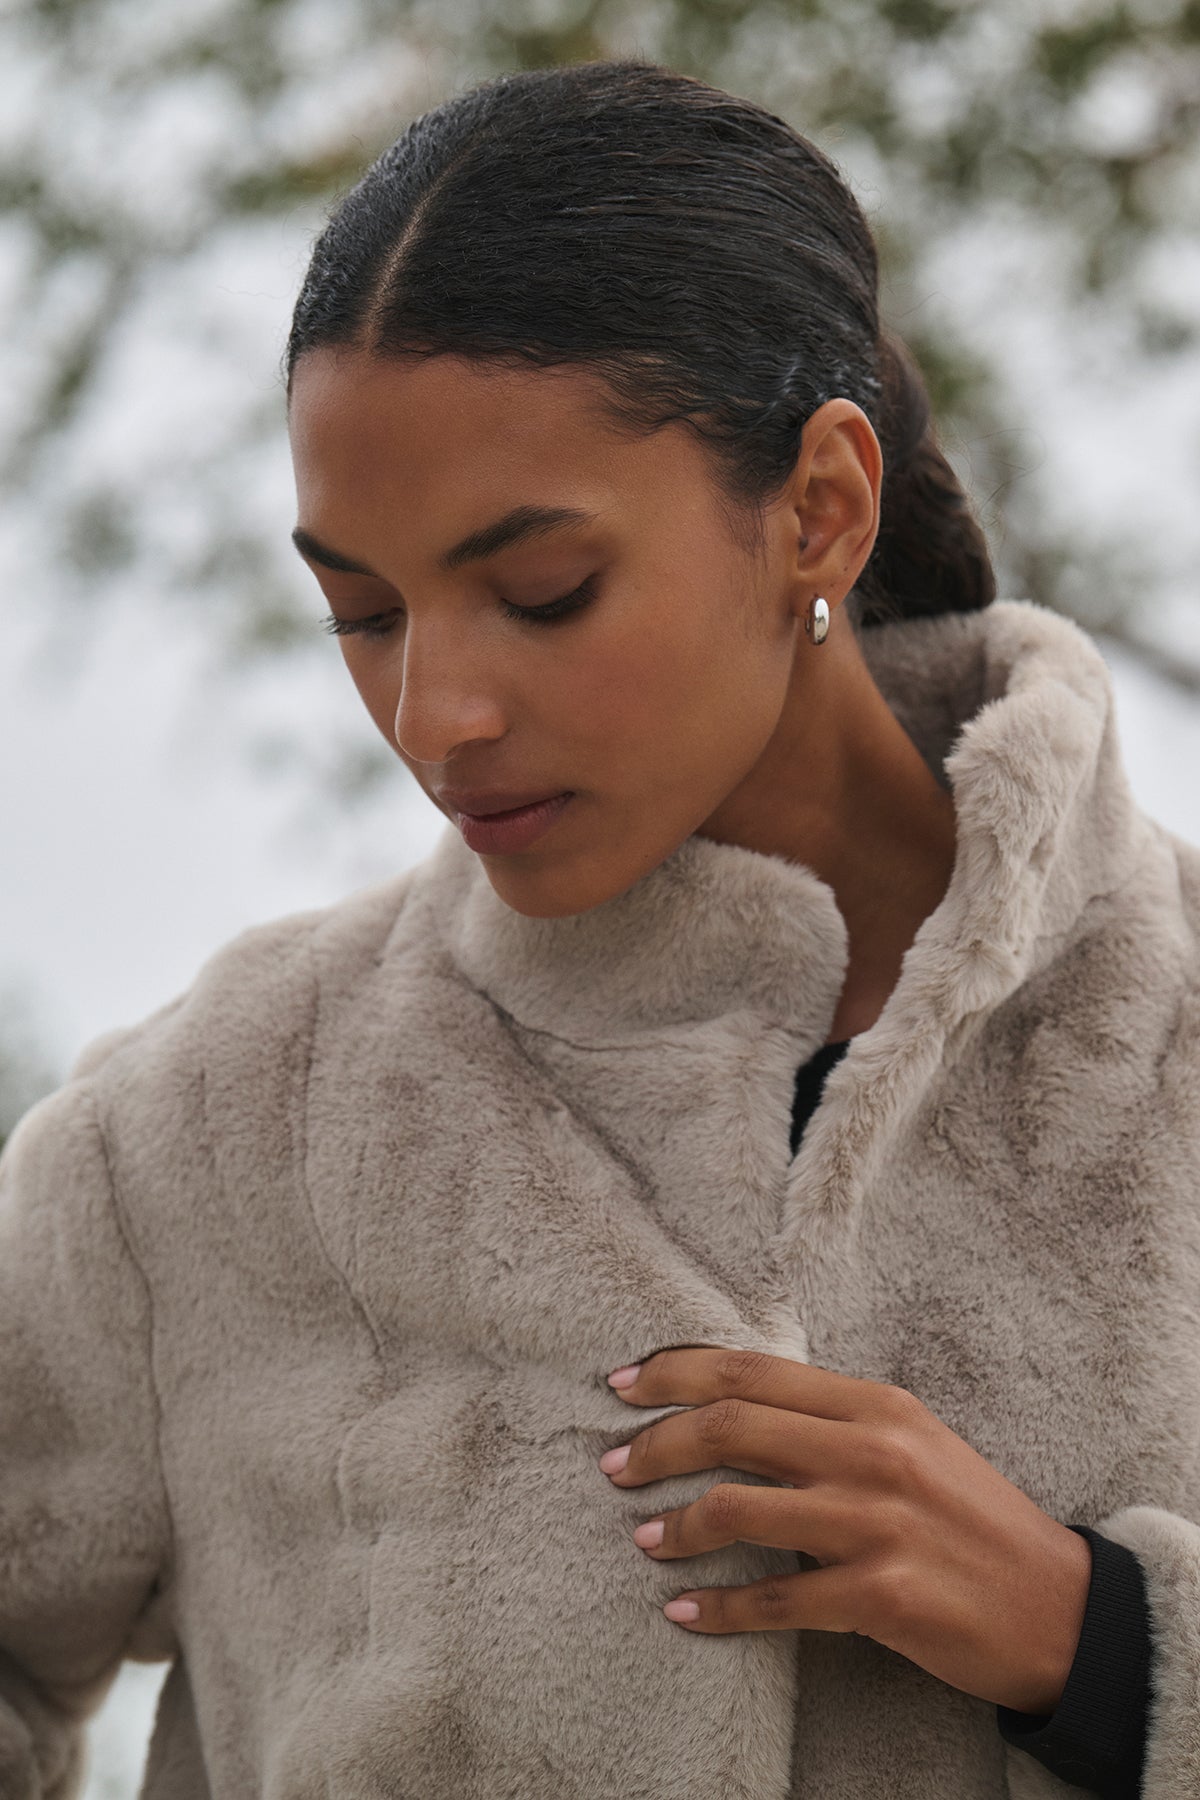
<point x="448" y="695"/>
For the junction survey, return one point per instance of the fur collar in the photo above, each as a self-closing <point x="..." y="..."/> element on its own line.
<point x="1012" y="708"/>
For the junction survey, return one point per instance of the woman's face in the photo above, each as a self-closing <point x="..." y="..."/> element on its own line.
<point x="649" y="703"/>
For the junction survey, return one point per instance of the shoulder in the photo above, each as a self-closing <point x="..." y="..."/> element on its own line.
<point x="1165" y="884"/>
<point x="1187" y="861"/>
<point x="257" y="985"/>
<point x="1126" y="972"/>
<point x="1155" y="909"/>
<point x="1126" y="980"/>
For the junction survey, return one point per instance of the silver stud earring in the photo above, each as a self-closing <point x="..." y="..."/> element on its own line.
<point x="816" y="622"/>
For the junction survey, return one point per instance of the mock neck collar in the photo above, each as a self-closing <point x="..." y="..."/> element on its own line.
<point x="1011" y="707"/>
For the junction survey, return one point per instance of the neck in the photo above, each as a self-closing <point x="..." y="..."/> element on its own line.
<point x="842" y="789"/>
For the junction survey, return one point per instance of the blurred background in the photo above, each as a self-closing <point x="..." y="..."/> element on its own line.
<point x="181" y="750"/>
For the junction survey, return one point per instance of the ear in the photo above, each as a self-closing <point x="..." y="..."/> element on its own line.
<point x="833" y="501"/>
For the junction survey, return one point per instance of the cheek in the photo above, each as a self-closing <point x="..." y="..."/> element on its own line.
<point x="688" y="696"/>
<point x="379" y="693"/>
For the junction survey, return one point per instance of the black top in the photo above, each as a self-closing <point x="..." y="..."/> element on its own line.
<point x="1096" y="1737"/>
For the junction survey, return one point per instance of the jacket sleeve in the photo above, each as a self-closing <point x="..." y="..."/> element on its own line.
<point x="84" y="1531"/>
<point x="1096" y="1737"/>
<point x="1167" y="1547"/>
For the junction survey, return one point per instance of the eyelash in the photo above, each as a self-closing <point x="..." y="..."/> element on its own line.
<point x="554" y="609"/>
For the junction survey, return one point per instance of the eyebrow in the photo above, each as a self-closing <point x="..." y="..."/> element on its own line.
<point x="519" y="523"/>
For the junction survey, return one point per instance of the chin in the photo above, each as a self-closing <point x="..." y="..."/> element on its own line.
<point x="545" y="893"/>
<point x="562" y="886"/>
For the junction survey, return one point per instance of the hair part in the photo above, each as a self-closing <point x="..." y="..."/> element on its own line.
<point x="693" y="250"/>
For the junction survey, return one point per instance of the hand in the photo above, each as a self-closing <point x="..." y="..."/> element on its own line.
<point x="923" y="1545"/>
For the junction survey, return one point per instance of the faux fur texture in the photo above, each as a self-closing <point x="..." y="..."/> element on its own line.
<point x="310" y="1282"/>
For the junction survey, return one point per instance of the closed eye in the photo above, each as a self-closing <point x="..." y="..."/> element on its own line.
<point x="379" y="625"/>
<point x="554" y="609"/>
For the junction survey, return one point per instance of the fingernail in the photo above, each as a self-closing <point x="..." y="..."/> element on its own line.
<point x="684" y="1612"/>
<point x="623" y="1378"/>
<point x="650" y="1535"/>
<point x="613" y="1461"/>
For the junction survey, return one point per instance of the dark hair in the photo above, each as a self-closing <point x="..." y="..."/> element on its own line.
<point x="689" y="247"/>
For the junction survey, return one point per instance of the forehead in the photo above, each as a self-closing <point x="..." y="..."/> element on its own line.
<point x="368" y="430"/>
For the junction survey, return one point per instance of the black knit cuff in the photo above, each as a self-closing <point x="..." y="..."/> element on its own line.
<point x="1096" y="1736"/>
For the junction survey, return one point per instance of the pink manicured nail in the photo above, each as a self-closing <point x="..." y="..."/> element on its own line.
<point x="621" y="1378"/>
<point x="613" y="1461"/>
<point x="684" y="1612"/>
<point x="650" y="1535"/>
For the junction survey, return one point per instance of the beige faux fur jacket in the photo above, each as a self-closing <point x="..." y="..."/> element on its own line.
<point x="311" y="1280"/>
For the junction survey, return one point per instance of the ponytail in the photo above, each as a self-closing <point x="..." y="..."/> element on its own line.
<point x="930" y="555"/>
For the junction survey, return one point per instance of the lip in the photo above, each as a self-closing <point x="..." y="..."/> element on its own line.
<point x="513" y="829"/>
<point x="480" y="803"/>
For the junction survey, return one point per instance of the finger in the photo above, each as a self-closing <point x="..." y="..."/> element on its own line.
<point x="737" y="1434"/>
<point x="812" y="1600"/>
<point x="733" y="1512"/>
<point x="701" y="1373"/>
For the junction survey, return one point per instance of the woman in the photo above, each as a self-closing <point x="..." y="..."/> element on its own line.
<point x="426" y="1330"/>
